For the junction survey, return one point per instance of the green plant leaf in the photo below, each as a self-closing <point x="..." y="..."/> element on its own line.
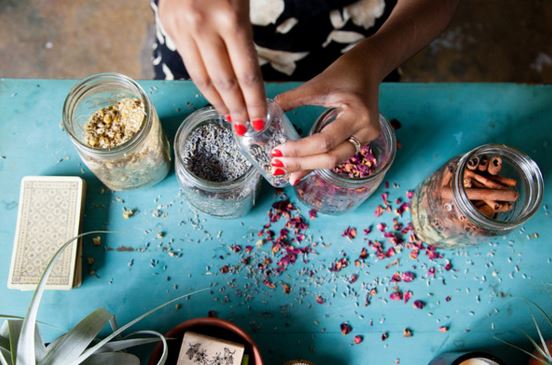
<point x="5" y="357"/>
<point x="14" y="331"/>
<point x="26" y="344"/>
<point x="120" y="330"/>
<point x="165" y="353"/>
<point x="4" y="343"/>
<point x="534" y="343"/>
<point x="518" y="348"/>
<point x="69" y="348"/>
<point x="543" y="341"/>
<point x="112" y="358"/>
<point x="125" y="344"/>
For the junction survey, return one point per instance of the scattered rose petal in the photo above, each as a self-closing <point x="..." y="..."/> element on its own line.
<point x="358" y="339"/>
<point x="346" y="328"/>
<point x="419" y="304"/>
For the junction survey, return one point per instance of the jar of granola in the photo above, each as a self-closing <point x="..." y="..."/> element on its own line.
<point x="116" y="131"/>
<point x="348" y="185"/>
<point x="257" y="146"/>
<point x="214" y="175"/>
<point x="486" y="192"/>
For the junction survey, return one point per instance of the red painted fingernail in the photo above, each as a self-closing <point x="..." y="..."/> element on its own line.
<point x="258" y="124"/>
<point x="277" y="153"/>
<point x="228" y="118"/>
<point x="240" y="129"/>
<point x="278" y="172"/>
<point x="277" y="163"/>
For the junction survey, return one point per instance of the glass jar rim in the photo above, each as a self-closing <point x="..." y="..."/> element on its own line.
<point x="89" y="83"/>
<point x="192" y="121"/>
<point x="527" y="166"/>
<point x="387" y="133"/>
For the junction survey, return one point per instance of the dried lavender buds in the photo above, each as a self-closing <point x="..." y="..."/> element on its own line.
<point x="214" y="175"/>
<point x="114" y="125"/>
<point x="211" y="153"/>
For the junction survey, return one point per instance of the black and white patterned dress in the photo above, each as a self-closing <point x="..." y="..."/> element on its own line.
<point x="295" y="39"/>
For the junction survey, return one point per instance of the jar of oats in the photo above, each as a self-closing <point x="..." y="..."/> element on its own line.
<point x="116" y="131"/>
<point x="215" y="177"/>
<point x="335" y="191"/>
<point x="486" y="192"/>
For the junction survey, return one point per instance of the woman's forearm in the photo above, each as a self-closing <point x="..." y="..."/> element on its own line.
<point x="411" y="26"/>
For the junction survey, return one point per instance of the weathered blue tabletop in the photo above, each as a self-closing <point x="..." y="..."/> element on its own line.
<point x="136" y="269"/>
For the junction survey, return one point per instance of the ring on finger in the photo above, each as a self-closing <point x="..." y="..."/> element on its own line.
<point x="355" y="142"/>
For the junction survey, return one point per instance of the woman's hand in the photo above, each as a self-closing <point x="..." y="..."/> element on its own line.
<point x="215" y="41"/>
<point x="348" y="86"/>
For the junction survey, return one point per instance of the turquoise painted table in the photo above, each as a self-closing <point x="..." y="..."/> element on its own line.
<point x="135" y="270"/>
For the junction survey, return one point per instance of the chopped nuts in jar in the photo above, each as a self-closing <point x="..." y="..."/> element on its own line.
<point x="114" y="125"/>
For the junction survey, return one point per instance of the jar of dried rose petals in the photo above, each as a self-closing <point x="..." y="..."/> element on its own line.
<point x="352" y="182"/>
<point x="116" y="130"/>
<point x="486" y="192"/>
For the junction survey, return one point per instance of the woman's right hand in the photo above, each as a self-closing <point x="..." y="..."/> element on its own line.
<point x="214" y="39"/>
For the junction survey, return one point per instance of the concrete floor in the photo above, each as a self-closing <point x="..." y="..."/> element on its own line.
<point x="489" y="40"/>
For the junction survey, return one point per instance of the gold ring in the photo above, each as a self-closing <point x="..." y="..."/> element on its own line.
<point x="356" y="143"/>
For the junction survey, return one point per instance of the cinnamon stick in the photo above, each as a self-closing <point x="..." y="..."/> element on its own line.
<point x="483" y="180"/>
<point x="483" y="163"/>
<point x="486" y="210"/>
<point x="507" y="181"/>
<point x="473" y="163"/>
<point x="495" y="165"/>
<point x="484" y="194"/>
<point x="505" y="207"/>
<point x="494" y="205"/>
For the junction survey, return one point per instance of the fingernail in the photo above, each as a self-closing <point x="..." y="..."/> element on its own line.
<point x="279" y="172"/>
<point x="240" y="129"/>
<point x="228" y="118"/>
<point x="258" y="124"/>
<point x="292" y="181"/>
<point x="277" y="163"/>
<point x="277" y="153"/>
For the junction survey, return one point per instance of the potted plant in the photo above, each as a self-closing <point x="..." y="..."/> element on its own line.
<point x="21" y="344"/>
<point x="210" y="326"/>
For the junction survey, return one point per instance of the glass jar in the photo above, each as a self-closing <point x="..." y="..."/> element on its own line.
<point x="223" y="199"/>
<point x="142" y="160"/>
<point x="465" y="201"/>
<point x="257" y="146"/>
<point x="332" y="193"/>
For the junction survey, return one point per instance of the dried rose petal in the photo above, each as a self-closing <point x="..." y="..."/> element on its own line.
<point x="448" y="298"/>
<point x="384" y="336"/>
<point x="407" y="332"/>
<point x="397" y="295"/>
<point x="418" y="304"/>
<point x="313" y="213"/>
<point x="443" y="329"/>
<point x="448" y="265"/>
<point x="286" y="287"/>
<point x="408" y="276"/>
<point x="407" y="296"/>
<point x="350" y="233"/>
<point x="320" y="299"/>
<point x="381" y="227"/>
<point x="358" y="339"/>
<point x="269" y="284"/>
<point x="353" y="279"/>
<point x="346" y="328"/>
<point x="396" y="277"/>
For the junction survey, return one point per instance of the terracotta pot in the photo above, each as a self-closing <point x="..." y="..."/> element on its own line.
<point x="214" y="327"/>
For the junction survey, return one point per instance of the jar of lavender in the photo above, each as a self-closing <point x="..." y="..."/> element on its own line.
<point x="486" y="192"/>
<point x="349" y="184"/>
<point x="257" y="146"/>
<point x="214" y="175"/>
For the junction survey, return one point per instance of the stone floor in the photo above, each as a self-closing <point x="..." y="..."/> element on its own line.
<point x="489" y="40"/>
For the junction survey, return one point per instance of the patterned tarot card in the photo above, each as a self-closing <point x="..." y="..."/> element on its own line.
<point x="199" y="349"/>
<point x="50" y="211"/>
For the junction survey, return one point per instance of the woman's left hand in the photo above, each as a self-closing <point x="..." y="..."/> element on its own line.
<point x="348" y="86"/>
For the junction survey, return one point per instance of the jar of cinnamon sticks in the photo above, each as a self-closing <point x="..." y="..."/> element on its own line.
<point x="486" y="192"/>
